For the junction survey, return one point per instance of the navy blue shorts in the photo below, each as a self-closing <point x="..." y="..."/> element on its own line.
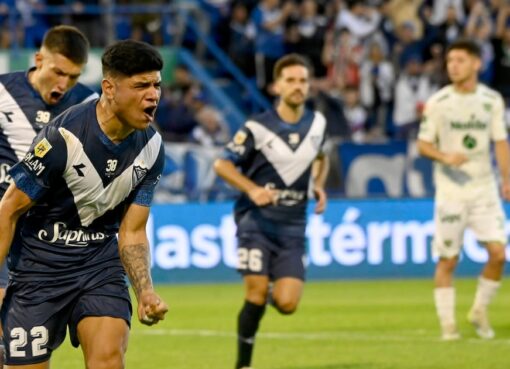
<point x="35" y="315"/>
<point x="276" y="256"/>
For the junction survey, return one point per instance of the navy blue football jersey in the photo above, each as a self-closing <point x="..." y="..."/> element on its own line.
<point x="23" y="113"/>
<point x="279" y="155"/>
<point x="82" y="184"/>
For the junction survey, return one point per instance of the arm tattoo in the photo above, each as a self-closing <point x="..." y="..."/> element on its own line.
<point x="135" y="259"/>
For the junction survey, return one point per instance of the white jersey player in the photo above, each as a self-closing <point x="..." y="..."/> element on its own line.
<point x="459" y="124"/>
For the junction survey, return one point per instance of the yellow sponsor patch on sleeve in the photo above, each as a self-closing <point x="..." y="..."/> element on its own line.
<point x="240" y="137"/>
<point x="42" y="148"/>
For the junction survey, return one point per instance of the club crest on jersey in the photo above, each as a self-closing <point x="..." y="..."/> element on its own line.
<point x="42" y="148"/>
<point x="240" y="137"/>
<point x="316" y="142"/>
<point x="138" y="174"/>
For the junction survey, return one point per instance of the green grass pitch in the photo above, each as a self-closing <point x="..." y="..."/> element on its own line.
<point x="385" y="324"/>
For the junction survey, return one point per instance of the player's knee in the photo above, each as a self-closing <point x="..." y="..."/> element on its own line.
<point x="257" y="298"/>
<point x="107" y="359"/>
<point x="497" y="255"/>
<point x="257" y="294"/>
<point x="447" y="265"/>
<point x="286" y="306"/>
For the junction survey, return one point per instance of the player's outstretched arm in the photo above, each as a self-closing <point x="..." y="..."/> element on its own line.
<point x="135" y="256"/>
<point x="14" y="203"/>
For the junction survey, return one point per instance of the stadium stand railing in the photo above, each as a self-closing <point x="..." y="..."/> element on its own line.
<point x="259" y="102"/>
<point x="233" y="115"/>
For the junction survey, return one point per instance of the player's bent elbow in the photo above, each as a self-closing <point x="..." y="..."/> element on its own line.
<point x="422" y="147"/>
<point x="217" y="165"/>
<point x="220" y="166"/>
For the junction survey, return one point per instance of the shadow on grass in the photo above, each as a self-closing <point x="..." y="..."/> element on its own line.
<point x="342" y="366"/>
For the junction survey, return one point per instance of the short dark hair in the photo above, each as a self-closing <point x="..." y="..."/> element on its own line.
<point x="289" y="60"/>
<point x="68" y="41"/>
<point x="129" y="57"/>
<point x="466" y="44"/>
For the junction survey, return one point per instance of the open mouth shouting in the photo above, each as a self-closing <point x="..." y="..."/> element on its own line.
<point x="55" y="96"/>
<point x="150" y="112"/>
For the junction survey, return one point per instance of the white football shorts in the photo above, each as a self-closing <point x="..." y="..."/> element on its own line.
<point x="483" y="215"/>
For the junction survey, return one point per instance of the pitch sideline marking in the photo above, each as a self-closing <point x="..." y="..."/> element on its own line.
<point x="417" y="335"/>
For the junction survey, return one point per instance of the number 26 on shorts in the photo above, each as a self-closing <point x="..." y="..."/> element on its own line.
<point x="250" y="259"/>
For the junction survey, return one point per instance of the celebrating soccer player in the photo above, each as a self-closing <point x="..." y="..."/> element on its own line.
<point x="88" y="175"/>
<point x="29" y="100"/>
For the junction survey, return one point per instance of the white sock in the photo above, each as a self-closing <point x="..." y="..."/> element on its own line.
<point x="485" y="292"/>
<point x="444" y="298"/>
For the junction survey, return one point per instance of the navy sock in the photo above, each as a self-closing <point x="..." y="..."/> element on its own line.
<point x="247" y="326"/>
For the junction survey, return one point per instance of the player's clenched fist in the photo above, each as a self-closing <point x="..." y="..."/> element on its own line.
<point x="454" y="159"/>
<point x="263" y="196"/>
<point x="151" y="308"/>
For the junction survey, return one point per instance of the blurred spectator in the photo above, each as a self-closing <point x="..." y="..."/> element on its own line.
<point x="407" y="45"/>
<point x="434" y="66"/>
<point x="494" y="7"/>
<point x="479" y="28"/>
<point x="212" y="129"/>
<point x="355" y="114"/>
<point x="451" y="27"/>
<point x="306" y="36"/>
<point x="241" y="39"/>
<point x="411" y="91"/>
<point x="176" y="119"/>
<point x="91" y="24"/>
<point x="441" y="10"/>
<point x="217" y="16"/>
<point x="377" y="83"/>
<point x="5" y="31"/>
<point x="360" y="19"/>
<point x="182" y="82"/>
<point x="406" y="11"/>
<point x="269" y="20"/>
<point x="33" y="26"/>
<point x="147" y="27"/>
<point x="341" y="55"/>
<point x="387" y="27"/>
<point x="501" y="44"/>
<point x="249" y="4"/>
<point x="332" y="9"/>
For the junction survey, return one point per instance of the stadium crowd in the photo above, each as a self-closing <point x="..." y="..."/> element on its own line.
<point x="375" y="61"/>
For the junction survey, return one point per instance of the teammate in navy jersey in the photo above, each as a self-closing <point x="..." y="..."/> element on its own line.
<point x="278" y="152"/>
<point x="28" y="100"/>
<point x="88" y="175"/>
